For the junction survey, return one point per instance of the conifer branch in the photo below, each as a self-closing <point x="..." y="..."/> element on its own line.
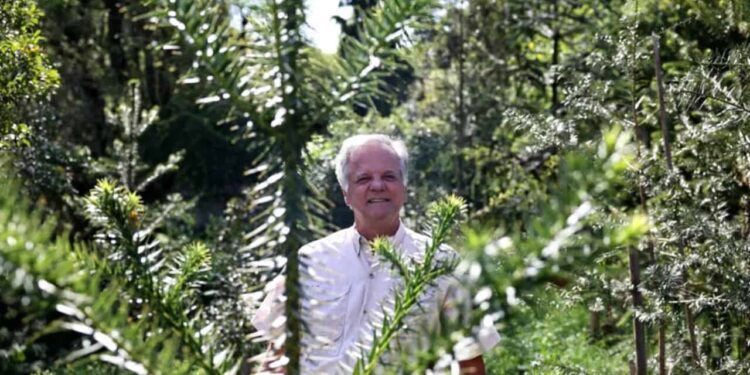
<point x="119" y="213"/>
<point x="416" y="277"/>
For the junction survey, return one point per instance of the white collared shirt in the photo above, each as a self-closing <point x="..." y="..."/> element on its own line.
<point x="345" y="291"/>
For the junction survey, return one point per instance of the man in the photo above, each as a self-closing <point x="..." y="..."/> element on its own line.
<point x="345" y="287"/>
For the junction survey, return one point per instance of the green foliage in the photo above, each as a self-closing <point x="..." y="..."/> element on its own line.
<point x="26" y="76"/>
<point x="571" y="226"/>
<point x="134" y="307"/>
<point x="552" y="338"/>
<point x="78" y="285"/>
<point x="25" y="72"/>
<point x="165" y="284"/>
<point x="35" y="263"/>
<point x="704" y="222"/>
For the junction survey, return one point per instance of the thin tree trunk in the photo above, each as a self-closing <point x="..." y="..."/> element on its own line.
<point x="668" y="157"/>
<point x="133" y="126"/>
<point x="117" y="58"/>
<point x="743" y="344"/>
<point x="662" y="348"/>
<point x="555" y="57"/>
<point x="460" y="124"/>
<point x="292" y="135"/>
<point x="662" y="110"/>
<point x="292" y="348"/>
<point x="635" y="270"/>
<point x="639" y="330"/>
<point x="594" y="324"/>
<point x="691" y="333"/>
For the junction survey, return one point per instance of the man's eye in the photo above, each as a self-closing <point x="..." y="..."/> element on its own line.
<point x="363" y="179"/>
<point x="389" y="178"/>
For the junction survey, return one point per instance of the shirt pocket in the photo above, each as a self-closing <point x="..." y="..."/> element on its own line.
<point x="326" y="318"/>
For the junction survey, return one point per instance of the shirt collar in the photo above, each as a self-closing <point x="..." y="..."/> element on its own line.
<point x="397" y="239"/>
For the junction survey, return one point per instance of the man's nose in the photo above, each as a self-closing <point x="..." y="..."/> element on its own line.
<point x="377" y="184"/>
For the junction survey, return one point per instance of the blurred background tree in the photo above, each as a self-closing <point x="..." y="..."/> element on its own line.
<point x="589" y="139"/>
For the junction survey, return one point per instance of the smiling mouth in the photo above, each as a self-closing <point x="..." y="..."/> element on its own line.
<point x="378" y="200"/>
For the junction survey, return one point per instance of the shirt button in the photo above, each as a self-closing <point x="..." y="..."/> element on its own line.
<point x="372" y="275"/>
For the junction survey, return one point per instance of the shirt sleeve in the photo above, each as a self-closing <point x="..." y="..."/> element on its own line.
<point x="456" y="306"/>
<point x="269" y="318"/>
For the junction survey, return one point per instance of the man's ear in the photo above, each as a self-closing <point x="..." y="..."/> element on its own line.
<point x="346" y="198"/>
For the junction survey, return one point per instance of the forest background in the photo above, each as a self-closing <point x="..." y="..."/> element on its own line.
<point x="161" y="163"/>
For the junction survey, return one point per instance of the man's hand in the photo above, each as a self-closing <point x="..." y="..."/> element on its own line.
<point x="272" y="355"/>
<point x="474" y="366"/>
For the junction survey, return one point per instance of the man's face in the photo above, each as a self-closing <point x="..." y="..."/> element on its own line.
<point x="376" y="190"/>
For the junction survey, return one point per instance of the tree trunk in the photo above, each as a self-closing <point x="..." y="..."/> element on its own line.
<point x="460" y="123"/>
<point x="668" y="158"/>
<point x="292" y="136"/>
<point x="594" y="324"/>
<point x="662" y="348"/>
<point x="555" y="57"/>
<point x="662" y="108"/>
<point x="639" y="331"/>
<point x="117" y="57"/>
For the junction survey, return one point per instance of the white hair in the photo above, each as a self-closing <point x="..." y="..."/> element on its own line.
<point x="341" y="163"/>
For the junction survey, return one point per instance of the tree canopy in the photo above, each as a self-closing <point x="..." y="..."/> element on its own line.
<point x="163" y="160"/>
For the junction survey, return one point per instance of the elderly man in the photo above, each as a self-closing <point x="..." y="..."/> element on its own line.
<point x="345" y="287"/>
